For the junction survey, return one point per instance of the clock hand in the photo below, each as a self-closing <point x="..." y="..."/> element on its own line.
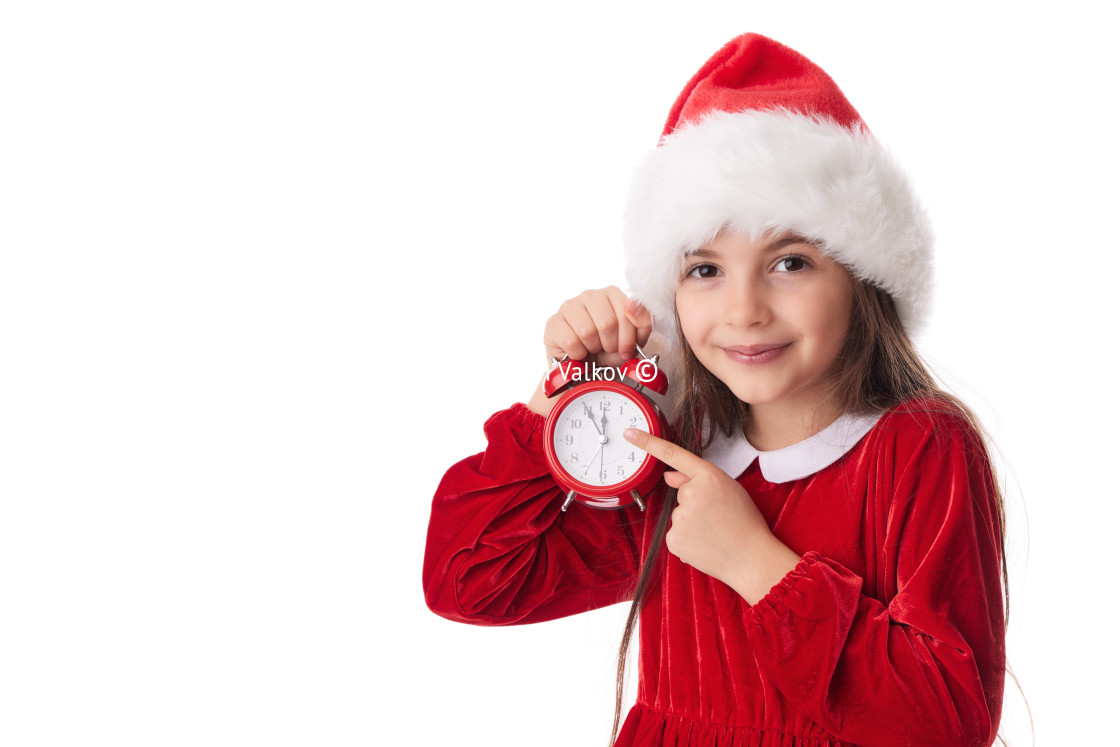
<point x="591" y="417"/>
<point x="592" y="459"/>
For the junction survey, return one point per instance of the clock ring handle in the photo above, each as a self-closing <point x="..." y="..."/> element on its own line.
<point x="560" y="377"/>
<point x="554" y="361"/>
<point x="645" y="373"/>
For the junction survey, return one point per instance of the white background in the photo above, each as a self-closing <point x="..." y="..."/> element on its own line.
<point x="267" y="267"/>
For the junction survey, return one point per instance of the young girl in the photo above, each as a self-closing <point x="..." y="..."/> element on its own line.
<point x="824" y="565"/>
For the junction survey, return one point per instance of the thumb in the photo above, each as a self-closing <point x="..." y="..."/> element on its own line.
<point x="638" y="315"/>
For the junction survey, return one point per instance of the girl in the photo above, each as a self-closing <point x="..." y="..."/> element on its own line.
<point x="824" y="565"/>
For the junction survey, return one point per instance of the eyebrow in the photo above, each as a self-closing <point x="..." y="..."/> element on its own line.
<point x="783" y="243"/>
<point x="705" y="253"/>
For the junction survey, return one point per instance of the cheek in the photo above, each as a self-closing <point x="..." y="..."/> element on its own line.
<point x="834" y="318"/>
<point x="694" y="323"/>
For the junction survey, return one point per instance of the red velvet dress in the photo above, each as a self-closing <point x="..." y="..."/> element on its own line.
<point x="889" y="631"/>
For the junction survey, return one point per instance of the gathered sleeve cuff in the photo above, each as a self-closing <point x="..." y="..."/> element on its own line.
<point x="927" y="667"/>
<point x="499" y="550"/>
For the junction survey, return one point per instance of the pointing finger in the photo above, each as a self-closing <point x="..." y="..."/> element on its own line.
<point x="675" y="479"/>
<point x="682" y="460"/>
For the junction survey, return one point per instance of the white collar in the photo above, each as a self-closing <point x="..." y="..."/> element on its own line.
<point x="733" y="454"/>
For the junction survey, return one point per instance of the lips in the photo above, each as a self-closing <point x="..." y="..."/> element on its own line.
<point x="754" y="354"/>
<point x="755" y="349"/>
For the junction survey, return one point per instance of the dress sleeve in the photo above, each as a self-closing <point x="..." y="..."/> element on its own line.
<point x="500" y="551"/>
<point x="927" y="667"/>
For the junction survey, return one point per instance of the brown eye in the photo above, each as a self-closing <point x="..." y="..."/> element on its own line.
<point x="792" y="263"/>
<point x="703" y="271"/>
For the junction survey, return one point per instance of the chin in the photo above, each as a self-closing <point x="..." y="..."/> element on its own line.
<point x="755" y="397"/>
<point x="753" y="393"/>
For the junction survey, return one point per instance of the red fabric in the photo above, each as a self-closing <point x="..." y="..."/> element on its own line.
<point x="888" y="632"/>
<point x="754" y="72"/>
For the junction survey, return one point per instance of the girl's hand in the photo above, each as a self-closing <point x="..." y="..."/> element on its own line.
<point x="716" y="527"/>
<point x="602" y="326"/>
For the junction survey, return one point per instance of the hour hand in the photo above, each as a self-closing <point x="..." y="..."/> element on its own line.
<point x="591" y="417"/>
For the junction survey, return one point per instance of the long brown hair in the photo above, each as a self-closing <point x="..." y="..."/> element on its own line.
<point x="876" y="369"/>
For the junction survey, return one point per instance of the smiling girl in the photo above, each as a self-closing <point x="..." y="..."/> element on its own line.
<point x="832" y="533"/>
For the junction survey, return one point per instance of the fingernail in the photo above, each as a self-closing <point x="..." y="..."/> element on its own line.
<point x="634" y="307"/>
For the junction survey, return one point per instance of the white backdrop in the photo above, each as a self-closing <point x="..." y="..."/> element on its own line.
<point x="267" y="267"/>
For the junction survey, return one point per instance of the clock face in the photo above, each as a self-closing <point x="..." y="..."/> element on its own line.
<point x="588" y="441"/>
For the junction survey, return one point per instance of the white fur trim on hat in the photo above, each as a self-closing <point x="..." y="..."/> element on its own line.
<point x="775" y="171"/>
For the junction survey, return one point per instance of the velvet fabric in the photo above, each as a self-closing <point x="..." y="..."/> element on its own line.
<point x="752" y="72"/>
<point x="889" y="631"/>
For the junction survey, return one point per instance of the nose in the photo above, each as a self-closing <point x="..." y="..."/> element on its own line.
<point x="747" y="303"/>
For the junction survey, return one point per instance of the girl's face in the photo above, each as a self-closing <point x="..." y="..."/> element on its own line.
<point x="766" y="316"/>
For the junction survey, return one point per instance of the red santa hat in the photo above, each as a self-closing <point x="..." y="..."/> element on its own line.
<point x="760" y="140"/>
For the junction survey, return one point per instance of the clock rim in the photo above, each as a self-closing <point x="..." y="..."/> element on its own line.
<point x="651" y="467"/>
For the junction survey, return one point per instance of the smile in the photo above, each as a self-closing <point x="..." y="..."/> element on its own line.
<point x="755" y="354"/>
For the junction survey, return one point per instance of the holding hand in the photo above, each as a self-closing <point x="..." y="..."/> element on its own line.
<point x="602" y="326"/>
<point x="716" y="526"/>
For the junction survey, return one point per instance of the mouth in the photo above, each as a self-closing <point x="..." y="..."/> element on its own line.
<point x="752" y="354"/>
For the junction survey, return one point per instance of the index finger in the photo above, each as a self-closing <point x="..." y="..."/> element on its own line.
<point x="680" y="459"/>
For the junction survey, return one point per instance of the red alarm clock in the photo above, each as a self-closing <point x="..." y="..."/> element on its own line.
<point x="583" y="432"/>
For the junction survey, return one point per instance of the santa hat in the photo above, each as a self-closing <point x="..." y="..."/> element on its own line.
<point x="761" y="140"/>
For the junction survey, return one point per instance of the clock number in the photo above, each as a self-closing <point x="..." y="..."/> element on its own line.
<point x="632" y="458"/>
<point x="621" y="470"/>
<point x="633" y="420"/>
<point x="576" y="423"/>
<point x="604" y="405"/>
<point x="568" y="440"/>
<point x="575" y="458"/>
<point x="603" y="476"/>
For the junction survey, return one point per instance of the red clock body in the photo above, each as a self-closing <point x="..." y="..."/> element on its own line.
<point x="586" y="451"/>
